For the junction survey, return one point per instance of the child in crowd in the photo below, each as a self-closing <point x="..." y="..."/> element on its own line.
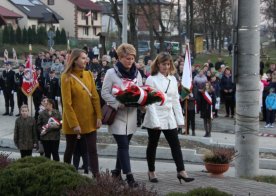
<point x="42" y="107"/>
<point x="50" y="131"/>
<point x="207" y="102"/>
<point x="270" y="103"/>
<point x="25" y="137"/>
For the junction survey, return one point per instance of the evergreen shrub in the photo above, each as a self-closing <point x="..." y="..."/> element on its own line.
<point x="207" y="191"/>
<point x="39" y="176"/>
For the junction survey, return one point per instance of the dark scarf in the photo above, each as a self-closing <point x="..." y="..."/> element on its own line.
<point x="123" y="73"/>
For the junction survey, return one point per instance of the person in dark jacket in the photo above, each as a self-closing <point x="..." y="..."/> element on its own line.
<point x="53" y="88"/>
<point x="8" y="86"/>
<point x="39" y="91"/>
<point x="190" y="113"/>
<point x="21" y="97"/>
<point x="228" y="90"/>
<point x="208" y="100"/>
<point x="49" y="133"/>
<point x="25" y="138"/>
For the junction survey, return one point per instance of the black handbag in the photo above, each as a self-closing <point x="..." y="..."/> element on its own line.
<point x="108" y="114"/>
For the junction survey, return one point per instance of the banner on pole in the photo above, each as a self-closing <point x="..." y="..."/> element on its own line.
<point x="30" y="82"/>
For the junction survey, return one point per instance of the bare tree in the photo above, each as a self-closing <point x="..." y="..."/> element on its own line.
<point x="153" y="10"/>
<point x="269" y="10"/>
<point x="214" y="16"/>
<point x="116" y="16"/>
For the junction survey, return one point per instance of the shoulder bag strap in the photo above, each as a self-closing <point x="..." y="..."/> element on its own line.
<point x="82" y="84"/>
<point x="168" y="86"/>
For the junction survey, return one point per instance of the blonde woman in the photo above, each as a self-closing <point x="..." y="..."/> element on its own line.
<point x="164" y="118"/>
<point x="81" y="111"/>
<point x="125" y="124"/>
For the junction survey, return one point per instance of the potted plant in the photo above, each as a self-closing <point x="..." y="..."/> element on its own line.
<point x="217" y="159"/>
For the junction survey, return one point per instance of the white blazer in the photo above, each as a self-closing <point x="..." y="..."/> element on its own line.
<point x="169" y="115"/>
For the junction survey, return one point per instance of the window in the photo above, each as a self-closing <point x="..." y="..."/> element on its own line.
<point x="49" y="10"/>
<point x="51" y="2"/>
<point x="26" y="8"/>
<point x="95" y="16"/>
<point x="94" y="30"/>
<point x="85" y="31"/>
<point x="83" y="17"/>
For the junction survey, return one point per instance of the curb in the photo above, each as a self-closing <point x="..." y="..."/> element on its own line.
<point x="163" y="153"/>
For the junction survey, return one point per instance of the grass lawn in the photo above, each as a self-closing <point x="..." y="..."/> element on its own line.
<point x="22" y="49"/>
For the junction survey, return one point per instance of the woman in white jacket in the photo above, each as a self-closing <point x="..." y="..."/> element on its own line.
<point x="164" y="118"/>
<point x="125" y="123"/>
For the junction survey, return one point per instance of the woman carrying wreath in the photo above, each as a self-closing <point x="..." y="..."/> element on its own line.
<point x="81" y="108"/>
<point x="165" y="117"/>
<point x="122" y="75"/>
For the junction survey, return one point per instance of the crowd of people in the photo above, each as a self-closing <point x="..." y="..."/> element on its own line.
<point x="81" y="83"/>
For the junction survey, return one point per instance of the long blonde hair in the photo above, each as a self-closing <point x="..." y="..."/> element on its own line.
<point x="162" y="57"/>
<point x="75" y="54"/>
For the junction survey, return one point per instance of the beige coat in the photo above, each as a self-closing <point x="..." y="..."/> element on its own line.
<point x="125" y="122"/>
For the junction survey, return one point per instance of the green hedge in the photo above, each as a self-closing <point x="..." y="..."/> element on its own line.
<point x="208" y="191"/>
<point x="39" y="176"/>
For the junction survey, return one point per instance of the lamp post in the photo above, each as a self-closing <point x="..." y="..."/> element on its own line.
<point x="125" y="12"/>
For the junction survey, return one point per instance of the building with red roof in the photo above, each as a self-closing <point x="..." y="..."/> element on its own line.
<point x="82" y="18"/>
<point x="9" y="17"/>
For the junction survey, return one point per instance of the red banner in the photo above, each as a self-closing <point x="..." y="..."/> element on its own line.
<point x="30" y="82"/>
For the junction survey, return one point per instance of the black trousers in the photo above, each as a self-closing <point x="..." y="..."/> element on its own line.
<point x="80" y="151"/>
<point x="51" y="148"/>
<point x="37" y="97"/>
<point x="90" y="138"/>
<point x="229" y="106"/>
<point x="191" y="120"/>
<point x="172" y="138"/>
<point x="9" y="100"/>
<point x="270" y="116"/>
<point x="123" y="160"/>
<point x="25" y="153"/>
<point x="21" y="99"/>
<point x="207" y="126"/>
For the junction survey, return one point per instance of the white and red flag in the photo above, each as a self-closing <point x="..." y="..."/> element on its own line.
<point x="30" y="82"/>
<point x="88" y="14"/>
<point x="186" y="80"/>
<point x="14" y="56"/>
<point x="6" y="55"/>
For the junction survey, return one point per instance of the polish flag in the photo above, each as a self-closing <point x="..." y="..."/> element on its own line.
<point x="30" y="82"/>
<point x="88" y="14"/>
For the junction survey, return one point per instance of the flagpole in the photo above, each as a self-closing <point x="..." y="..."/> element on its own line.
<point x="30" y="100"/>
<point x="186" y="116"/>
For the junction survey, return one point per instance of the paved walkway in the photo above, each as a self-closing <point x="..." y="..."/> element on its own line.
<point x="167" y="175"/>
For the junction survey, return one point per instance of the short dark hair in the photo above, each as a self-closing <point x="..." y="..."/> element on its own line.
<point x="52" y="102"/>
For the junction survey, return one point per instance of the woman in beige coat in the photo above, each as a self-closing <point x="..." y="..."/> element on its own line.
<point x="125" y="122"/>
